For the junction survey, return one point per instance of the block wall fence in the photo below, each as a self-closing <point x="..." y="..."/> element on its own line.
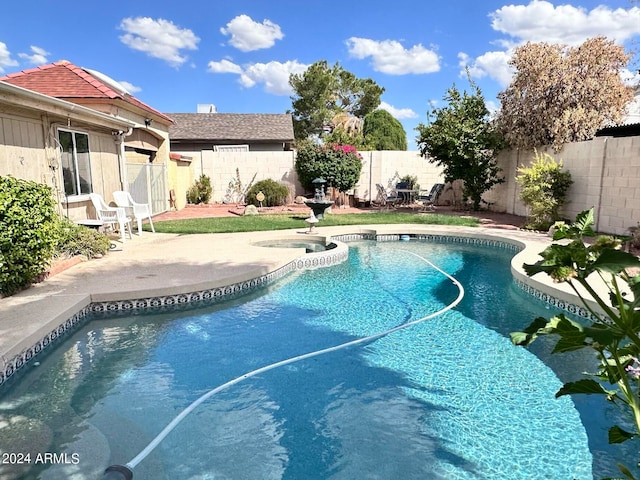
<point x="605" y="172"/>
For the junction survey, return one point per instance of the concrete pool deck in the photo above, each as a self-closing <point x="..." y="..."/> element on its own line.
<point x="156" y="264"/>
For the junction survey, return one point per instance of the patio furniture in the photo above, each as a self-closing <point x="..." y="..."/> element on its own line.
<point x="138" y="211"/>
<point x="113" y="217"/>
<point x="428" y="200"/>
<point x="386" y="199"/>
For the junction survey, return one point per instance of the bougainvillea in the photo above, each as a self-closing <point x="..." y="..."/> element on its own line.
<point x="339" y="165"/>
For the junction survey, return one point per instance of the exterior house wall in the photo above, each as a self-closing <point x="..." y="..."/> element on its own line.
<point x="25" y="153"/>
<point x="180" y="177"/>
<point x="22" y="147"/>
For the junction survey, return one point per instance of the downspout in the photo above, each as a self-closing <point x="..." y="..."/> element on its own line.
<point x="119" y="137"/>
<point x="604" y="159"/>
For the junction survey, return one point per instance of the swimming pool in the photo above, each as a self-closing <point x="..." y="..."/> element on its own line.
<point x="449" y="398"/>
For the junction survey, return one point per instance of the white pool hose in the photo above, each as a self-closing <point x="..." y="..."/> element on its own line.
<point x="174" y="423"/>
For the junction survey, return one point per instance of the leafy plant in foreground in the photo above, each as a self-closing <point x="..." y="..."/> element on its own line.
<point x="614" y="334"/>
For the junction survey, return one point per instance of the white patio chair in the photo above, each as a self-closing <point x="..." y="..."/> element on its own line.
<point x="386" y="199"/>
<point x="138" y="211"/>
<point x="113" y="217"/>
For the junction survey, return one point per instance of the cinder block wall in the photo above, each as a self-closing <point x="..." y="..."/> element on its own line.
<point x="606" y="176"/>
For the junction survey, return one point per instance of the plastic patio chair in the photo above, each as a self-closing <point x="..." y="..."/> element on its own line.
<point x="138" y="211"/>
<point x="113" y="217"/>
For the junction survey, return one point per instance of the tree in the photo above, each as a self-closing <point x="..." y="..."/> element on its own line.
<point x="340" y="165"/>
<point x="563" y="94"/>
<point x="463" y="142"/>
<point x="383" y="132"/>
<point x="321" y="92"/>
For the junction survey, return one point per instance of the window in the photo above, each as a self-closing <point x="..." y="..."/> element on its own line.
<point x="230" y="148"/>
<point x="76" y="166"/>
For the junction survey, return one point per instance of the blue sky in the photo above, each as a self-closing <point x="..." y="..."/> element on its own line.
<point x="238" y="54"/>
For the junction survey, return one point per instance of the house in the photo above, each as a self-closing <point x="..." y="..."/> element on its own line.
<point x="222" y="144"/>
<point x="120" y="143"/>
<point x="231" y="132"/>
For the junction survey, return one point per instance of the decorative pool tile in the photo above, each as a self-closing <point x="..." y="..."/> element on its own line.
<point x="552" y="301"/>
<point x="186" y="301"/>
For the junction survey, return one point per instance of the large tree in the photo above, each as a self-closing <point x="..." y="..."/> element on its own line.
<point x="321" y="92"/>
<point x="464" y="142"/>
<point x="384" y="132"/>
<point x="563" y="94"/>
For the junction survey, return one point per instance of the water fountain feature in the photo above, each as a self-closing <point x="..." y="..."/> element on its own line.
<point x="319" y="203"/>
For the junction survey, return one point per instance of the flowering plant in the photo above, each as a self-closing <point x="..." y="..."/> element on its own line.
<point x="339" y="165"/>
<point x="614" y="334"/>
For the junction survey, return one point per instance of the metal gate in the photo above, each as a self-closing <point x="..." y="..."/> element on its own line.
<point x="148" y="184"/>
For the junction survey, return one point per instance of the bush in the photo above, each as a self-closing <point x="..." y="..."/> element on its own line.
<point x="339" y="165"/>
<point x="200" y="191"/>
<point x="80" y="240"/>
<point x="544" y="190"/>
<point x="274" y="193"/>
<point x="411" y="181"/>
<point x="28" y="232"/>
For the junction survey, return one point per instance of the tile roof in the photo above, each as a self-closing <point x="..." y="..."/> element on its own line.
<point x="236" y="127"/>
<point x="65" y="80"/>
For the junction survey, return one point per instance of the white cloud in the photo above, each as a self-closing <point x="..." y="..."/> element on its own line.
<point x="224" y="66"/>
<point x="274" y="75"/>
<point x="490" y="64"/>
<point x="38" y="56"/>
<point x="398" y="113"/>
<point x="630" y="78"/>
<point x="389" y="56"/>
<point x="5" y="58"/>
<point x="158" y="39"/>
<point x="248" y="35"/>
<point x="541" y="21"/>
<point x="129" y="87"/>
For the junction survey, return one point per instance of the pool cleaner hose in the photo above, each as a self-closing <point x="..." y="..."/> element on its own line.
<point x="120" y="472"/>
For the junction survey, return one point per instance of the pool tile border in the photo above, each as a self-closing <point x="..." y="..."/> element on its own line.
<point x="214" y="295"/>
<point x="309" y="261"/>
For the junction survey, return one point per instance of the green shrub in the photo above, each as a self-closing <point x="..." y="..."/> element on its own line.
<point x="544" y="190"/>
<point x="411" y="181"/>
<point x="339" y="165"/>
<point x="274" y="193"/>
<point x="28" y="232"/>
<point x="200" y="191"/>
<point x="80" y="240"/>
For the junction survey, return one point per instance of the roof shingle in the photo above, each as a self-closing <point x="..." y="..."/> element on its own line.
<point x="65" y="80"/>
<point x="237" y="127"/>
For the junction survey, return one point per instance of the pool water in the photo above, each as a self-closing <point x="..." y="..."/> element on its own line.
<point x="449" y="398"/>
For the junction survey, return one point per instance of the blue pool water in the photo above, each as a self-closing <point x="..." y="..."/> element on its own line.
<point x="449" y="398"/>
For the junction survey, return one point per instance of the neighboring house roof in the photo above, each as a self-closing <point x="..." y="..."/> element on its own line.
<point x="67" y="81"/>
<point x="231" y="127"/>
<point x="627" y="130"/>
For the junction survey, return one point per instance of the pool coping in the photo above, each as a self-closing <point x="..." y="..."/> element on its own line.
<point x="73" y="308"/>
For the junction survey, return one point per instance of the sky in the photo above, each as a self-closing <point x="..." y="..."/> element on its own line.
<point x="238" y="55"/>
